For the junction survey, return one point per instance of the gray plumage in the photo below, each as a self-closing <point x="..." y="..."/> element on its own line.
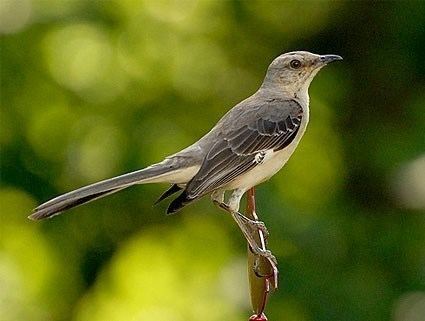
<point x="269" y="125"/>
<point x="247" y="146"/>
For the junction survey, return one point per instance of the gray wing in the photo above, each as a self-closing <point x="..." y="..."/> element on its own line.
<point x="273" y="126"/>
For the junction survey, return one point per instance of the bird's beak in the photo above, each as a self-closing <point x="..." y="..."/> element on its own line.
<point x="326" y="59"/>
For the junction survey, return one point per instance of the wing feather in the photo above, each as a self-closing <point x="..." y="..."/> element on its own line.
<point x="273" y="127"/>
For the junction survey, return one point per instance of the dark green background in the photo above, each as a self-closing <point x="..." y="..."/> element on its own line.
<point x="92" y="89"/>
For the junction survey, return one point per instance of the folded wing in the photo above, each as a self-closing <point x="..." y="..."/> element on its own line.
<point x="273" y="126"/>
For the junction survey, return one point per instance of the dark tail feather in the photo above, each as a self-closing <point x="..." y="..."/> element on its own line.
<point x="92" y="192"/>
<point x="177" y="204"/>
<point x="56" y="209"/>
<point x="173" y="189"/>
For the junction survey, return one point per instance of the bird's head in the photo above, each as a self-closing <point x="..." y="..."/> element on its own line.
<point x="293" y="72"/>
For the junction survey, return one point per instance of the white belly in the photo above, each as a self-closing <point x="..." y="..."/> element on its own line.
<point x="272" y="163"/>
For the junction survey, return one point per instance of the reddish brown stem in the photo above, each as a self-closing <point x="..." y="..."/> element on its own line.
<point x="262" y="272"/>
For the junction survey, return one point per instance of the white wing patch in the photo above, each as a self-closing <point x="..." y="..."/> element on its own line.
<point x="259" y="157"/>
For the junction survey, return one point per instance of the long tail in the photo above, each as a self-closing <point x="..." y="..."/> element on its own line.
<point x="152" y="174"/>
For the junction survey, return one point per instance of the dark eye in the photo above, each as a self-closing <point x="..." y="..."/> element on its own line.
<point x="295" y="64"/>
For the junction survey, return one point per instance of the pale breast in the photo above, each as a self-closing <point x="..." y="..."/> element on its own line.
<point x="269" y="163"/>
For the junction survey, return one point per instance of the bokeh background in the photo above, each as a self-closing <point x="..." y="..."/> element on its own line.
<point x="92" y="89"/>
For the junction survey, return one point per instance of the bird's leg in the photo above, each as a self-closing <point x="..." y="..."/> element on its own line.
<point x="257" y="225"/>
<point x="233" y="207"/>
<point x="249" y="236"/>
<point x="246" y="225"/>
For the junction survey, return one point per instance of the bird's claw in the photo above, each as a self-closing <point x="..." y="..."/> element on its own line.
<point x="257" y="225"/>
<point x="254" y="225"/>
<point x="267" y="254"/>
<point x="260" y="226"/>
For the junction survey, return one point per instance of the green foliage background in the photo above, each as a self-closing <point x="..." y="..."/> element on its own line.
<point x="92" y="89"/>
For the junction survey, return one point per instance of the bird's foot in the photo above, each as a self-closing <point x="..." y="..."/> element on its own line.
<point x="254" y="225"/>
<point x="249" y="229"/>
<point x="267" y="254"/>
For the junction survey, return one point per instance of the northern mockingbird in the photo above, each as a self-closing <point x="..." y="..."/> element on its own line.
<point x="245" y="148"/>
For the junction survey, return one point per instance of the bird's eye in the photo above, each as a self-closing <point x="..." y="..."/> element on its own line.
<point x="295" y="64"/>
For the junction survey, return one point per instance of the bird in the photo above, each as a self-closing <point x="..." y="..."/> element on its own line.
<point x="246" y="147"/>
